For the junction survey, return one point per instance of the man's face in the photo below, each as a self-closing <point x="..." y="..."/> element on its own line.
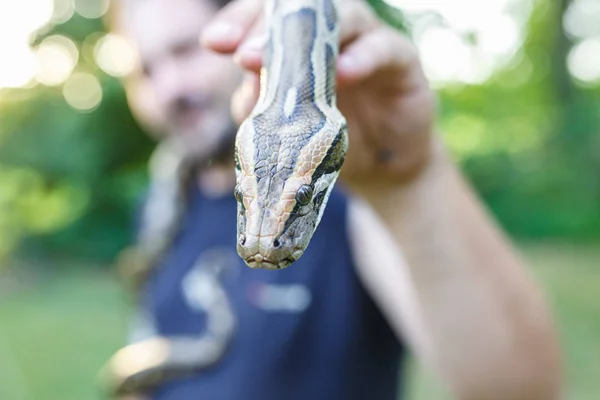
<point x="192" y="86"/>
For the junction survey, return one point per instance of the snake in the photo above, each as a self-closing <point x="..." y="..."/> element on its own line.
<point x="290" y="149"/>
<point x="288" y="155"/>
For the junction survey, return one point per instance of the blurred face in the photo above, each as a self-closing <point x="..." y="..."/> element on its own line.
<point x="191" y="86"/>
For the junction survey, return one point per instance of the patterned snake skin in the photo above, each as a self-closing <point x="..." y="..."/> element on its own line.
<point x="290" y="150"/>
<point x="288" y="154"/>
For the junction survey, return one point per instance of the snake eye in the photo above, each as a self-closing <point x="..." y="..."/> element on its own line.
<point x="304" y="195"/>
<point x="238" y="193"/>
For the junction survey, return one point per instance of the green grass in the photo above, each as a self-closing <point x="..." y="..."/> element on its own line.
<point x="56" y="333"/>
<point x="55" y="336"/>
<point x="570" y="278"/>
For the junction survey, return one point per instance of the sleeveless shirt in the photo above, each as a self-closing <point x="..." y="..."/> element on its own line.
<point x="309" y="331"/>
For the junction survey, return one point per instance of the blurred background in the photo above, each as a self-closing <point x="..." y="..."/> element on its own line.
<point x="519" y="89"/>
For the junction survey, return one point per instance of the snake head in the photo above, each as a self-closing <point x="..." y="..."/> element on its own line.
<point x="282" y="195"/>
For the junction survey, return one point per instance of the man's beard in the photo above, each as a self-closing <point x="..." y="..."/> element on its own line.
<point x="219" y="151"/>
<point x="224" y="149"/>
<point x="199" y="147"/>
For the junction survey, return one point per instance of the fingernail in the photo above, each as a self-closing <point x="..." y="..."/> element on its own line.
<point x="250" y="50"/>
<point x="221" y="31"/>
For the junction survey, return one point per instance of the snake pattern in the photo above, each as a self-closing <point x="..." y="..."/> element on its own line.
<point x="288" y="155"/>
<point x="290" y="149"/>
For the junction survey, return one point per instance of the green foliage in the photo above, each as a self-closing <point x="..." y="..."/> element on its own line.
<point x="531" y="152"/>
<point x="69" y="180"/>
<point x="389" y="14"/>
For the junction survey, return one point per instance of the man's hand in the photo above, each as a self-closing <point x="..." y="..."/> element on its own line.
<point x="382" y="90"/>
<point x="489" y="332"/>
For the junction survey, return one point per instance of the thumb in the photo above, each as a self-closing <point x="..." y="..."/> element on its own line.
<point x="230" y="27"/>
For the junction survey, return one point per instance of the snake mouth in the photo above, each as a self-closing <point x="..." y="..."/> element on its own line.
<point x="259" y="262"/>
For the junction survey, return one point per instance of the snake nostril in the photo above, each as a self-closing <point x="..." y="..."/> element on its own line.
<point x="242" y="240"/>
<point x="276" y="243"/>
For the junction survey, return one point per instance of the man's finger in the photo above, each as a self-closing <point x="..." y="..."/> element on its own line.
<point x="250" y="52"/>
<point x="231" y="25"/>
<point x="382" y="48"/>
<point x="356" y="18"/>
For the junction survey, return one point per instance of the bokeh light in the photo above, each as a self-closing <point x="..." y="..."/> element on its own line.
<point x="88" y="46"/>
<point x="91" y="9"/>
<point x="584" y="61"/>
<point x="63" y="11"/>
<point x="445" y="56"/>
<point x="114" y="55"/>
<point x="83" y="91"/>
<point x="57" y="56"/>
<point x="500" y="36"/>
<point x="465" y="40"/>
<point x="582" y="19"/>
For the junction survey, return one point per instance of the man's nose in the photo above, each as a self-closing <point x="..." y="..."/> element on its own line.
<point x="169" y="84"/>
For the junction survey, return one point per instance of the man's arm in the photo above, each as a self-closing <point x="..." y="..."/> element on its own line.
<point x="457" y="290"/>
<point x="469" y="308"/>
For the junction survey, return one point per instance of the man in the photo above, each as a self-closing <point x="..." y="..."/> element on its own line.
<point x="404" y="253"/>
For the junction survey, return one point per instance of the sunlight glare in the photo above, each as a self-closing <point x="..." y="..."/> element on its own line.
<point x="500" y="36"/>
<point x="21" y="70"/>
<point x="584" y="61"/>
<point x="462" y="15"/>
<point x="57" y="56"/>
<point x="443" y="53"/>
<point x="19" y="18"/>
<point x="114" y="55"/>
<point x="448" y="55"/>
<point x="83" y="91"/>
<point x="447" y="58"/>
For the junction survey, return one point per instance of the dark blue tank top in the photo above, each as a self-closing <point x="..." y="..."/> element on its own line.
<point x="306" y="332"/>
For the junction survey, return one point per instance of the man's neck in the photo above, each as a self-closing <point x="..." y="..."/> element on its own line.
<point x="217" y="180"/>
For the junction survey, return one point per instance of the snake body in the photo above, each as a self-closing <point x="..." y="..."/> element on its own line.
<point x="288" y="154"/>
<point x="290" y="149"/>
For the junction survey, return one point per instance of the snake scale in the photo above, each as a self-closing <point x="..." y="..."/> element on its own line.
<point x="290" y="149"/>
<point x="288" y="155"/>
